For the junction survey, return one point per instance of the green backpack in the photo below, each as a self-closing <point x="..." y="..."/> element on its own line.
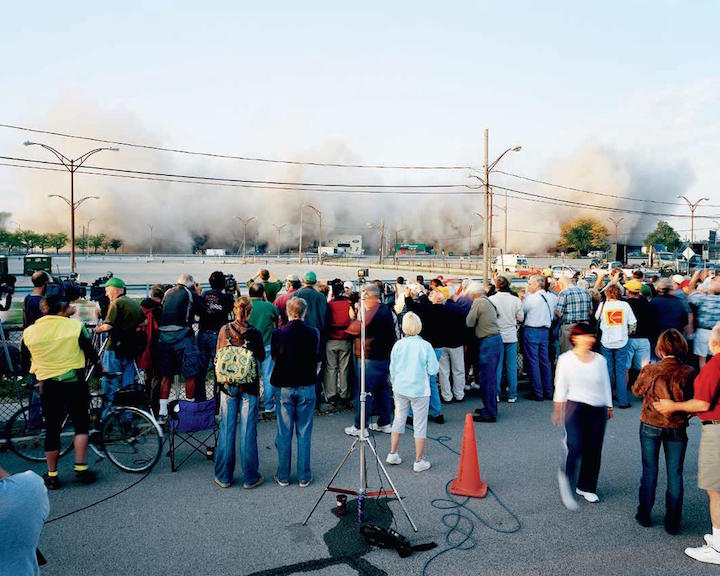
<point x="235" y="365"/>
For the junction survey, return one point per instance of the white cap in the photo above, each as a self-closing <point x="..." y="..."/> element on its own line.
<point x="677" y="278"/>
<point x="348" y="284"/>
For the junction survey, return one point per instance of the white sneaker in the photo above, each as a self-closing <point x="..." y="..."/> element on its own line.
<point x="589" y="496"/>
<point x="467" y="387"/>
<point x="393" y="458"/>
<point x="708" y="539"/>
<point x="352" y="431"/>
<point x="421" y="465"/>
<point x="706" y="554"/>
<point x="512" y="400"/>
<point x="566" y="495"/>
<point x="387" y="428"/>
<point x="498" y="397"/>
<point x="475" y="386"/>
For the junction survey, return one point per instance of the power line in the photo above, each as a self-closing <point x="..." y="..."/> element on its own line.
<point x="241" y="180"/>
<point x="231" y="156"/>
<point x="595" y="193"/>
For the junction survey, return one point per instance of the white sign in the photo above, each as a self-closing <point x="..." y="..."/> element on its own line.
<point x="688" y="253"/>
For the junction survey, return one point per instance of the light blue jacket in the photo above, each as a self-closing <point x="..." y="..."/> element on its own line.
<point x="412" y="361"/>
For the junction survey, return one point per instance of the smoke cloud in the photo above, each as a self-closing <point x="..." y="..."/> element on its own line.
<point x="183" y="214"/>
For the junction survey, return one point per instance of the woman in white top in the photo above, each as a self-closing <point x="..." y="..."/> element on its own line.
<point x="617" y="322"/>
<point x="583" y="402"/>
<point x="509" y="313"/>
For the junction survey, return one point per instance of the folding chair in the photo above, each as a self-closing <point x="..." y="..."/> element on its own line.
<point x="192" y="423"/>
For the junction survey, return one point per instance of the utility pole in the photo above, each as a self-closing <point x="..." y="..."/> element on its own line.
<point x="692" y="206"/>
<point x="382" y="239"/>
<point x="486" y="210"/>
<point x="319" y="215"/>
<point x="278" y="229"/>
<point x="616" y="221"/>
<point x="300" y="245"/>
<point x="395" y="258"/>
<point x="245" y="222"/>
<point x="150" y="226"/>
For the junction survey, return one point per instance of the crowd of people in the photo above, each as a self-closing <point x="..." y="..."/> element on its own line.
<point x="426" y="344"/>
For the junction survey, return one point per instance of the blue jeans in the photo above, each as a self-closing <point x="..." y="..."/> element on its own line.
<point x="207" y="344"/>
<point x="295" y="412"/>
<point x="674" y="442"/>
<point x="617" y="360"/>
<point x="537" y="360"/>
<point x="508" y="358"/>
<point x="246" y="406"/>
<point x="489" y="349"/>
<point x="638" y="353"/>
<point x="376" y="386"/>
<point x="269" y="391"/>
<point x="435" y="404"/>
<point x="113" y="363"/>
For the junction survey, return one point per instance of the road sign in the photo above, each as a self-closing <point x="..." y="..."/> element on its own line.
<point x="688" y="253"/>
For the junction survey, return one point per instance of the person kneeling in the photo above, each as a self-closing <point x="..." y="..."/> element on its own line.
<point x="412" y="362"/>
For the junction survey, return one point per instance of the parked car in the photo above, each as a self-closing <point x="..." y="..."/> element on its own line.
<point x="596" y="254"/>
<point x="562" y="270"/>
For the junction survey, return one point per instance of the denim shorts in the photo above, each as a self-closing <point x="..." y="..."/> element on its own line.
<point x="181" y="357"/>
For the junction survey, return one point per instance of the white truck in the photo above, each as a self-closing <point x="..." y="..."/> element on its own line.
<point x="510" y="262"/>
<point x="609" y="266"/>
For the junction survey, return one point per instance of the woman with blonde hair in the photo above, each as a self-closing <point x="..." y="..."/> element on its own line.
<point x="412" y="362"/>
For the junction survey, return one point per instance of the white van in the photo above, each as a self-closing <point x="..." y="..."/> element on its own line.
<point x="510" y="262"/>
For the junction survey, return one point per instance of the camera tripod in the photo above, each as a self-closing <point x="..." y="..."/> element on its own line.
<point x="362" y="441"/>
<point x="6" y="350"/>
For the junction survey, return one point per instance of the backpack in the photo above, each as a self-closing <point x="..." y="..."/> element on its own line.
<point x="235" y="365"/>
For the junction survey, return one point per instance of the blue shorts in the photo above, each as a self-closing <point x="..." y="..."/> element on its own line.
<point x="181" y="357"/>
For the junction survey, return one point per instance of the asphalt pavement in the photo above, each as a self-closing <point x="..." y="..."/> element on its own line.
<point x="182" y="523"/>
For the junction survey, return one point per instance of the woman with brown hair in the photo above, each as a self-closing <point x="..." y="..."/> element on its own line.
<point x="583" y="403"/>
<point x="669" y="379"/>
<point x="242" y="399"/>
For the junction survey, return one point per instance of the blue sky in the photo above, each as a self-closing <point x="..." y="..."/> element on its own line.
<point x="395" y="82"/>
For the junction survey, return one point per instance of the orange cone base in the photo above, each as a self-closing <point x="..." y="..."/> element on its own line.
<point x="477" y="492"/>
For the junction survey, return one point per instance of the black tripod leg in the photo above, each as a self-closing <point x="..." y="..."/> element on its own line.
<point x="337" y="471"/>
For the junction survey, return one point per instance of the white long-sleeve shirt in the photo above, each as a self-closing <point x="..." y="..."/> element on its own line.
<point x="579" y="381"/>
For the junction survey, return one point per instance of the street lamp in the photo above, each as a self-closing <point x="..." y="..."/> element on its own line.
<point x="692" y="206"/>
<point x="380" y="227"/>
<point x="71" y="165"/>
<point x="487" y="201"/>
<point x="278" y="228"/>
<point x="150" y="226"/>
<point x="245" y="222"/>
<point x="616" y="221"/>
<point x="319" y="215"/>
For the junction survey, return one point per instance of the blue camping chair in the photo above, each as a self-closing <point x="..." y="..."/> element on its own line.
<point x="192" y="423"/>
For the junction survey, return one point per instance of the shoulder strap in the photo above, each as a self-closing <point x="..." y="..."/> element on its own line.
<point x="548" y="307"/>
<point x="190" y="303"/>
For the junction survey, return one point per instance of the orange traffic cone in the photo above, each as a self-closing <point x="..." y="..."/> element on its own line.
<point x="468" y="481"/>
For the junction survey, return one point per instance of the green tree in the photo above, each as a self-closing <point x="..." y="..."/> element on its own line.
<point x="583" y="234"/>
<point x="115" y="244"/>
<point x="82" y="242"/>
<point x="58" y="240"/>
<point x="42" y="241"/>
<point x="97" y="241"/>
<point x="665" y="235"/>
<point x="27" y="239"/>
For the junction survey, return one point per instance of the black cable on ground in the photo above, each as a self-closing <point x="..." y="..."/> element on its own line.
<point x="105" y="499"/>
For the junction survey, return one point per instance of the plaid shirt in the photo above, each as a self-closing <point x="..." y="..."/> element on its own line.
<point x="574" y="304"/>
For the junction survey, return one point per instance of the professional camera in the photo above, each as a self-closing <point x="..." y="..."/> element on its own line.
<point x="7" y="289"/>
<point x="230" y="284"/>
<point x="66" y="287"/>
<point x="97" y="288"/>
<point x="363" y="273"/>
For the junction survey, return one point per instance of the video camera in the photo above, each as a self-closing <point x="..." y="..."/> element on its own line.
<point x="97" y="289"/>
<point x="66" y="287"/>
<point x="363" y="274"/>
<point x="7" y="289"/>
<point x="230" y="284"/>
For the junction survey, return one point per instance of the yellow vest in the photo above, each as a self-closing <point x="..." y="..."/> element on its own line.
<point x="53" y="344"/>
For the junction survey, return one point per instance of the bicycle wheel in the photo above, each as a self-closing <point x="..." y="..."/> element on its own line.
<point x="131" y="439"/>
<point x="25" y="434"/>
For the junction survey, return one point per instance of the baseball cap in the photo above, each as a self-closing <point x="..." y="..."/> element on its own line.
<point x="685" y="282"/>
<point x="292" y="278"/>
<point x="348" y="284"/>
<point x="677" y="278"/>
<point x="633" y="285"/>
<point x="310" y="277"/>
<point x="114" y="283"/>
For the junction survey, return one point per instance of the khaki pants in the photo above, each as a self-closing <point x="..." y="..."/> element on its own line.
<point x="337" y="369"/>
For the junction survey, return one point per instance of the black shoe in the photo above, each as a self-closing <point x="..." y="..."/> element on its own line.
<point x="409" y="421"/>
<point x="439" y="419"/>
<point x="483" y="418"/>
<point x="445" y="401"/>
<point x="642" y="520"/>
<point x="85" y="476"/>
<point x="624" y="406"/>
<point x="548" y="397"/>
<point x="51" y="482"/>
<point x="478" y="410"/>
<point x="531" y="396"/>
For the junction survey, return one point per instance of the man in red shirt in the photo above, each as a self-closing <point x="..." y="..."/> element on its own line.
<point x="292" y="283"/>
<point x="705" y="406"/>
<point x="338" y="349"/>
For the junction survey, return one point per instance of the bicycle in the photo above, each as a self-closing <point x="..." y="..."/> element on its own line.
<point x="128" y="435"/>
